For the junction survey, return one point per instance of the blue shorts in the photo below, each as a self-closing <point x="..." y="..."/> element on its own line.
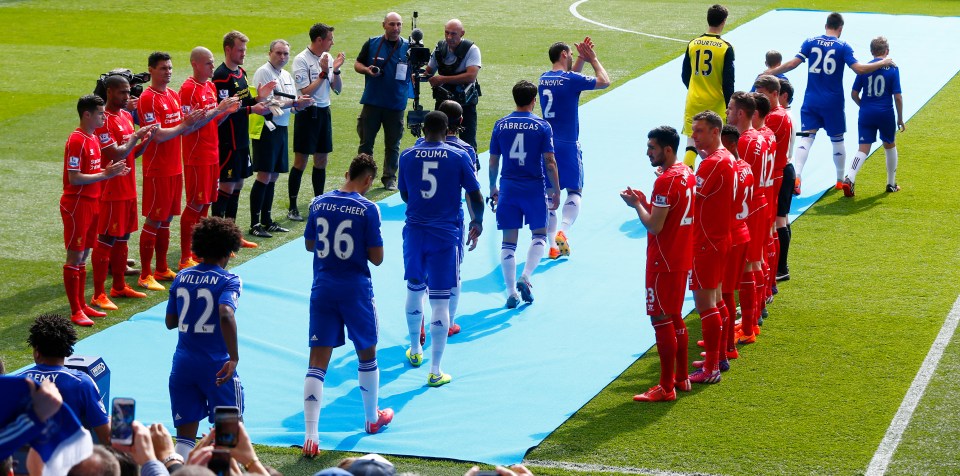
<point x="331" y="311"/>
<point x="569" y="165"/>
<point x="429" y="258"/>
<point x="194" y="392"/>
<point x="516" y="207"/>
<point x="885" y="122"/>
<point x="831" y="119"/>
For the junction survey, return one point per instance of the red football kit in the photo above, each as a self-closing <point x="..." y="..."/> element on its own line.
<point x="780" y="123"/>
<point x="754" y="150"/>
<point x="769" y="185"/>
<point x="79" y="204"/>
<point x="162" y="167"/>
<point x="118" y="200"/>
<point x="713" y="219"/>
<point x="670" y="252"/>
<point x="740" y="233"/>
<point x="201" y="159"/>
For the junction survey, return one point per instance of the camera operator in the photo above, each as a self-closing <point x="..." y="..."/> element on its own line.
<point x="382" y="60"/>
<point x="456" y="62"/>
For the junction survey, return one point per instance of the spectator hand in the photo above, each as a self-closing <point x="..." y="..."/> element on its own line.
<point x="162" y="441"/>
<point x="46" y="399"/>
<point x="435" y="81"/>
<point x="142" y="448"/>
<point x="132" y="103"/>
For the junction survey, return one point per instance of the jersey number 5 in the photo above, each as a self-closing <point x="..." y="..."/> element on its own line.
<point x="201" y="327"/>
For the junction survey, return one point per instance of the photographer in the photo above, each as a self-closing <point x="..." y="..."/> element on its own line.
<point x="456" y="63"/>
<point x="382" y="61"/>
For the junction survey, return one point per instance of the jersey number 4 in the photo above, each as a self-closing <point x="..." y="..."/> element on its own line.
<point x="202" y="326"/>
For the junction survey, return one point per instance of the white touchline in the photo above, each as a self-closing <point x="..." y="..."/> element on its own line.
<point x="601" y="468"/>
<point x="881" y="459"/>
<point x="573" y="11"/>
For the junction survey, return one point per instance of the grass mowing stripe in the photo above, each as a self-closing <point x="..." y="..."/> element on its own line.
<point x="881" y="459"/>
<point x="601" y="468"/>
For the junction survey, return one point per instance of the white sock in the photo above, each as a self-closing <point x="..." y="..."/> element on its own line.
<point x="508" y="262"/>
<point x="839" y="157"/>
<point x="538" y="246"/>
<point x="454" y="300"/>
<point x="312" y="395"/>
<point x="439" y="323"/>
<point x="803" y="150"/>
<point x="571" y="209"/>
<point x="415" y="318"/>
<point x="369" y="377"/>
<point x="184" y="447"/>
<point x="858" y="159"/>
<point x="551" y="223"/>
<point x="891" y="165"/>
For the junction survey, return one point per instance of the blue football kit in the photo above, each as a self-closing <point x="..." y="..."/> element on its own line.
<point x="342" y="225"/>
<point x="876" y="103"/>
<point x="521" y="139"/>
<point x="823" y="100"/>
<point x="195" y="298"/>
<point x="560" y="102"/>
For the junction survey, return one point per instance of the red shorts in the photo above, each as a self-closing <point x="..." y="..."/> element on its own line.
<point x="161" y="197"/>
<point x="773" y="194"/>
<point x="736" y="259"/>
<point x="665" y="292"/>
<point x="79" y="216"/>
<point x="708" y="267"/>
<point x="118" y="217"/>
<point x="201" y="183"/>
<point x="759" y="224"/>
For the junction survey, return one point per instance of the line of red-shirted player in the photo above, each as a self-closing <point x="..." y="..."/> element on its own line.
<point x="714" y="232"/>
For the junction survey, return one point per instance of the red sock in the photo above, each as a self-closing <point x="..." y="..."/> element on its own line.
<point x="82" y="284"/>
<point x="680" y="369"/>
<point x="667" y="350"/>
<point x="748" y="301"/>
<point x="189" y="218"/>
<point x="163" y="244"/>
<point x="118" y="264"/>
<point x="71" y="278"/>
<point x="148" y="241"/>
<point x="101" y="264"/>
<point x="711" y="323"/>
<point x="759" y="281"/>
<point x="728" y="313"/>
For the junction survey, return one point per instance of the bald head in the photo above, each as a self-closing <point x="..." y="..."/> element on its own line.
<point x="453" y="33"/>
<point x="392" y="25"/>
<point x="201" y="59"/>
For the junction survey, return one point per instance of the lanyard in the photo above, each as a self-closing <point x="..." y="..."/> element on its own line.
<point x="375" y="56"/>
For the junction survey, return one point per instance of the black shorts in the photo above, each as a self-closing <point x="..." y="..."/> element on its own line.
<point x="270" y="151"/>
<point x="312" y="131"/>
<point x="234" y="164"/>
<point x="786" y="191"/>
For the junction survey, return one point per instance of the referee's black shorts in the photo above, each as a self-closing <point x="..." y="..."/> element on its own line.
<point x="312" y="131"/>
<point x="270" y="151"/>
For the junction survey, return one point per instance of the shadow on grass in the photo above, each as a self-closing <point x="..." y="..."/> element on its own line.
<point x="847" y="206"/>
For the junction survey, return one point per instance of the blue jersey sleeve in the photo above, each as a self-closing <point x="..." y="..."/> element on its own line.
<point x="172" y="297"/>
<point x="495" y="139"/>
<point x="310" y="228"/>
<point x="401" y="181"/>
<point x="895" y="74"/>
<point x="848" y="56"/>
<point x="374" y="238"/>
<point x="468" y="176"/>
<point x="858" y="82"/>
<point x="585" y="83"/>
<point x="547" y="138"/>
<point x="805" y="49"/>
<point x="93" y="413"/>
<point x="231" y="292"/>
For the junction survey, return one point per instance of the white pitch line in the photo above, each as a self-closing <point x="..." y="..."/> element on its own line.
<point x="574" y="12"/>
<point x="601" y="468"/>
<point x="883" y="456"/>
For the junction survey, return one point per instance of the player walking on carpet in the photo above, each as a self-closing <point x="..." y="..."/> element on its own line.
<point x="343" y="233"/>
<point x="528" y="143"/>
<point x="823" y="101"/>
<point x="560" y="90"/>
<point x="430" y="181"/>
<point x="876" y="113"/>
<point x="668" y="220"/>
<point x="202" y="302"/>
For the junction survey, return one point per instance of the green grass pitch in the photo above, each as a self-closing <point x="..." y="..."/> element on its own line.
<point x="873" y="277"/>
